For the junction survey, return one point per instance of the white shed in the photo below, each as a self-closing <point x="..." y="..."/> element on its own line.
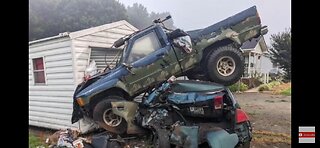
<point x="56" y="67"/>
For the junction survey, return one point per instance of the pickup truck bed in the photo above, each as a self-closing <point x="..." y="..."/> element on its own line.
<point x="197" y="34"/>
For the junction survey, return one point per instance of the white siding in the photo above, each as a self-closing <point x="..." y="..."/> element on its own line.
<point x="50" y="105"/>
<point x="103" y="39"/>
<point x="65" y="59"/>
<point x="266" y="64"/>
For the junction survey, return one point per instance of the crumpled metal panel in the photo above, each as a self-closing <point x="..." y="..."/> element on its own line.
<point x="127" y="110"/>
<point x="222" y="139"/>
<point x="185" y="98"/>
<point x="185" y="136"/>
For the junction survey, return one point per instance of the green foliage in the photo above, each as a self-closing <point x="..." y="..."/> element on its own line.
<point x="34" y="141"/>
<point x="51" y="17"/>
<point x="269" y="86"/>
<point x="286" y="92"/>
<point x="235" y="87"/>
<point x="273" y="84"/>
<point x="139" y="17"/>
<point x="263" y="87"/>
<point x="281" y="51"/>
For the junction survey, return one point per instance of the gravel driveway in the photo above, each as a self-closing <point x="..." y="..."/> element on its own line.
<point x="270" y="116"/>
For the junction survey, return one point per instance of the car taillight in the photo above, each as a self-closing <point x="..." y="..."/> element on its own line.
<point x="241" y="116"/>
<point x="218" y="102"/>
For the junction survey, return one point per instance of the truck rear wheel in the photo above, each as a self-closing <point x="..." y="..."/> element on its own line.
<point x="225" y="65"/>
<point x="103" y="115"/>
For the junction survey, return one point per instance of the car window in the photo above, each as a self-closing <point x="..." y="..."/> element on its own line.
<point x="144" y="46"/>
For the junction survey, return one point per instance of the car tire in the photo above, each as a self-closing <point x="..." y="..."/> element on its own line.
<point x="245" y="134"/>
<point x="225" y="65"/>
<point x="102" y="114"/>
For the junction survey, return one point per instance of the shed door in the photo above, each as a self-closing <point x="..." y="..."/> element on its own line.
<point x="103" y="56"/>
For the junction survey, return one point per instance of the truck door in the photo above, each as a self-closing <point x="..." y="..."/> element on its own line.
<point x="186" y="59"/>
<point x="151" y="60"/>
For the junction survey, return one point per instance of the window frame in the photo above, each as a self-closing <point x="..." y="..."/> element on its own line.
<point x="133" y="40"/>
<point x="34" y="71"/>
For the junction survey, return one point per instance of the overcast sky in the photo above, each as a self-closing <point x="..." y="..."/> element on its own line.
<point x="195" y="14"/>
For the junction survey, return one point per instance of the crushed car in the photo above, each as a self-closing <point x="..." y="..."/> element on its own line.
<point x="178" y="113"/>
<point x="150" y="56"/>
<point x="187" y="113"/>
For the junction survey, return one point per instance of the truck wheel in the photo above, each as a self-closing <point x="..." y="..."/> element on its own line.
<point x="225" y="65"/>
<point x="103" y="115"/>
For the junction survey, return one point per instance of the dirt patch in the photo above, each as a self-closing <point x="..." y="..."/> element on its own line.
<point x="270" y="116"/>
<point x="280" y="88"/>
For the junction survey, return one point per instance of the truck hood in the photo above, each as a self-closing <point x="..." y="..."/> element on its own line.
<point x="100" y="82"/>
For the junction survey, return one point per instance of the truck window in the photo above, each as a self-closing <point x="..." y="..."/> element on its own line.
<point x="144" y="46"/>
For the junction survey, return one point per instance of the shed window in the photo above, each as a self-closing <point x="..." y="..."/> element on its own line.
<point x="38" y="71"/>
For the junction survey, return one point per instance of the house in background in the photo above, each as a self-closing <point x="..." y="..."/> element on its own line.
<point x="257" y="59"/>
<point x="57" y="65"/>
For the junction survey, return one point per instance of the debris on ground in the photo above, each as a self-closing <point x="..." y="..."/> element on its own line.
<point x="67" y="138"/>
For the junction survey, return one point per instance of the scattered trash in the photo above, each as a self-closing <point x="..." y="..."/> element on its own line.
<point x="67" y="138"/>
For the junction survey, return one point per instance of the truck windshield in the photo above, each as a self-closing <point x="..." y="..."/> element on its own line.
<point x="143" y="46"/>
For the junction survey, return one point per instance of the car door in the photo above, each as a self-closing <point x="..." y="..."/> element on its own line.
<point x="150" y="58"/>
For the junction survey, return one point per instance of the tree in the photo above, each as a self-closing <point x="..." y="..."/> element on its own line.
<point x="139" y="17"/>
<point x="51" y="17"/>
<point x="281" y="51"/>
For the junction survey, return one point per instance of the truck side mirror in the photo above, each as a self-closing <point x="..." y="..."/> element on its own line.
<point x="128" y="67"/>
<point x="119" y="42"/>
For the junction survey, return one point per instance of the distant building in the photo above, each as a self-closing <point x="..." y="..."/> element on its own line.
<point x="257" y="61"/>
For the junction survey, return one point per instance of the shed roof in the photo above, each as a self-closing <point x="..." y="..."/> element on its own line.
<point x="84" y="32"/>
<point x="251" y="44"/>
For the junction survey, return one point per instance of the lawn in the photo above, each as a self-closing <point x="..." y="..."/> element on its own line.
<point x="35" y="142"/>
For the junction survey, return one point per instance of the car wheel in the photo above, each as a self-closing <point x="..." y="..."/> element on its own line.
<point x="225" y="65"/>
<point x="245" y="135"/>
<point x="103" y="115"/>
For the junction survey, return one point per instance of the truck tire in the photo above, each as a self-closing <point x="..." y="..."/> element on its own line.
<point x="103" y="115"/>
<point x="225" y="65"/>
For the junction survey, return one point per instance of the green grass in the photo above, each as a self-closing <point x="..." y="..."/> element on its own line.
<point x="268" y="86"/>
<point x="35" y="142"/>
<point x="286" y="92"/>
<point x="264" y="87"/>
<point x="235" y="87"/>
